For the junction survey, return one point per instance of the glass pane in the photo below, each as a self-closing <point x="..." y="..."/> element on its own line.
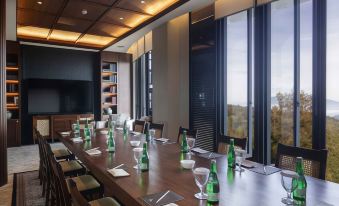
<point x="332" y="99"/>
<point x="237" y="75"/>
<point x="306" y="73"/>
<point x="282" y="73"/>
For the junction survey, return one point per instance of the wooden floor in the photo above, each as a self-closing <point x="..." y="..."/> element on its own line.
<point x="6" y="192"/>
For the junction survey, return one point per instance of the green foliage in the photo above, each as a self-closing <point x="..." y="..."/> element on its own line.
<point x="282" y="127"/>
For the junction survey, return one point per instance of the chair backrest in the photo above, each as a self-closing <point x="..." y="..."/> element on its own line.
<point x="139" y="126"/>
<point x="43" y="125"/>
<point x="192" y="133"/>
<point x="314" y="160"/>
<point x="159" y="128"/>
<point x="224" y="141"/>
<point x="60" y="180"/>
<point x="77" y="198"/>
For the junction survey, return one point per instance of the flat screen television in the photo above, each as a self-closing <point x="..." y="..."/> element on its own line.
<point x="48" y="96"/>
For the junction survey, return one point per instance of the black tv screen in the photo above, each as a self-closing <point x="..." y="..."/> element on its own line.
<point x="59" y="96"/>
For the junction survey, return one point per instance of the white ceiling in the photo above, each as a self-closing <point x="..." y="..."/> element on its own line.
<point x="192" y="5"/>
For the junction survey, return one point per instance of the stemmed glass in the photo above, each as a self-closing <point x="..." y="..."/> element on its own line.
<point x="190" y="143"/>
<point x="137" y="156"/>
<point x="240" y="156"/>
<point x="287" y="181"/>
<point x="201" y="177"/>
<point x="152" y="134"/>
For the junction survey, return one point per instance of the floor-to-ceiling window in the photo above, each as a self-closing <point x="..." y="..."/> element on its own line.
<point x="238" y="77"/>
<point x="332" y="86"/>
<point x="282" y="73"/>
<point x="149" y="84"/>
<point x="306" y="66"/>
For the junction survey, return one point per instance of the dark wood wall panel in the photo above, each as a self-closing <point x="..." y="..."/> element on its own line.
<point x="3" y="119"/>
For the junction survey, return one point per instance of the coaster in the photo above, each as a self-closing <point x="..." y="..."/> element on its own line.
<point x="162" y="198"/>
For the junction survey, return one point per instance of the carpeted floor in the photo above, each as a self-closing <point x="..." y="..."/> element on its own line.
<point x="27" y="189"/>
<point x="25" y="158"/>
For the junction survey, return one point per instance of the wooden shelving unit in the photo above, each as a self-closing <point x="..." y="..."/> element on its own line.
<point x="13" y="79"/>
<point x="109" y="84"/>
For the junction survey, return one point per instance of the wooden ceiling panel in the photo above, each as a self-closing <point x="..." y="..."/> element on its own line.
<point x="74" y="10"/>
<point x="151" y="7"/>
<point x="28" y="17"/>
<point x="32" y="32"/>
<point x="66" y="36"/>
<point x="72" y="24"/>
<point x="104" y="29"/>
<point x="90" y="40"/>
<point x="104" y="2"/>
<point x="118" y="16"/>
<point x="48" y="6"/>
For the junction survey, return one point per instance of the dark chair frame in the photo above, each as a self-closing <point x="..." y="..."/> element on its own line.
<point x="309" y="154"/>
<point x="238" y="142"/>
<point x="141" y="123"/>
<point x="189" y="132"/>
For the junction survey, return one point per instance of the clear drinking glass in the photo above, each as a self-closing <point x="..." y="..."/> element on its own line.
<point x="287" y="178"/>
<point x="201" y="177"/>
<point x="191" y="144"/>
<point x="137" y="156"/>
<point x="152" y="134"/>
<point x="240" y="156"/>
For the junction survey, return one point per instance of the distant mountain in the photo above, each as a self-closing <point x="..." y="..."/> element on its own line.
<point x="332" y="105"/>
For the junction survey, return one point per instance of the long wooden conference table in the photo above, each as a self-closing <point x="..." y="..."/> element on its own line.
<point x="245" y="189"/>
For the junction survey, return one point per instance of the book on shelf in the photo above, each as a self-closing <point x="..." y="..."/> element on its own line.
<point x="113" y="89"/>
<point x="114" y="100"/>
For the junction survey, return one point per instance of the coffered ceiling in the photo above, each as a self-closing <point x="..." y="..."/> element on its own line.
<point x="86" y="23"/>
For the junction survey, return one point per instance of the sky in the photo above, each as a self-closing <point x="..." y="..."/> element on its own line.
<point x="282" y="52"/>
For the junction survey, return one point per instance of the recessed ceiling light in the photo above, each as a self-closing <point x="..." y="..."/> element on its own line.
<point x="142" y="2"/>
<point x="121" y="18"/>
<point x="84" y="11"/>
<point x="39" y="2"/>
<point x="121" y="46"/>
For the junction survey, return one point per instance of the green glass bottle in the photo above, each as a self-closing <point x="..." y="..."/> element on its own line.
<point x="231" y="154"/>
<point x="212" y="187"/>
<point x="110" y="141"/>
<point x="87" y="132"/>
<point x="147" y="135"/>
<point x="299" y="194"/>
<point x="184" y="145"/>
<point x="144" y="159"/>
<point x="125" y="128"/>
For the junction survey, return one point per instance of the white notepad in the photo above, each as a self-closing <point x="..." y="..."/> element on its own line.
<point x="199" y="150"/>
<point x="93" y="152"/>
<point x="77" y="140"/>
<point x="118" y="172"/>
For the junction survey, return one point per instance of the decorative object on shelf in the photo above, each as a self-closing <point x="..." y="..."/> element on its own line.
<point x="9" y="114"/>
<point x="109" y="111"/>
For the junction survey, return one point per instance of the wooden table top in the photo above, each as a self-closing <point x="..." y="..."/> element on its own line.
<point x="245" y="189"/>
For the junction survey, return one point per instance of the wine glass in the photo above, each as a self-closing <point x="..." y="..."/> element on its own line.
<point x="287" y="178"/>
<point x="240" y="156"/>
<point x="152" y="134"/>
<point x="137" y="156"/>
<point x="201" y="177"/>
<point x="190" y="143"/>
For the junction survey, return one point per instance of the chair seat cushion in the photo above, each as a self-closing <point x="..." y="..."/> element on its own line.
<point x="68" y="166"/>
<point x="61" y="153"/>
<point x="106" y="201"/>
<point x="85" y="182"/>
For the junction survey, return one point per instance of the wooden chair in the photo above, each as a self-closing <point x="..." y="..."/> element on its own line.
<point x="314" y="160"/>
<point x="159" y="128"/>
<point x="189" y="133"/>
<point x="139" y="126"/>
<point x="79" y="200"/>
<point x="224" y="141"/>
<point x="43" y="125"/>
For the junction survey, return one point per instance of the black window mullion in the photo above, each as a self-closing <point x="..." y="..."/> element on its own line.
<point x="249" y="82"/>
<point x="296" y="104"/>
